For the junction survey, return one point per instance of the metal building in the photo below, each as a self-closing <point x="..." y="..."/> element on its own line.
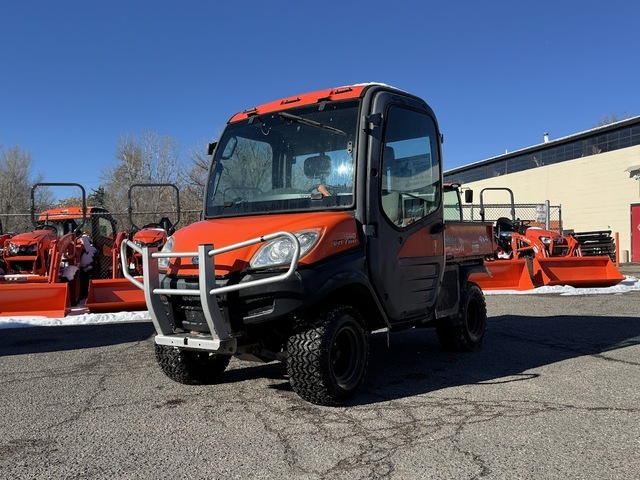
<point x="594" y="175"/>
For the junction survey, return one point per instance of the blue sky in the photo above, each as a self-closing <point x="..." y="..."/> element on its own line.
<point x="78" y="75"/>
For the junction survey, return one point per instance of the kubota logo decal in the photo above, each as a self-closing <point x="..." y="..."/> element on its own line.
<point x="350" y="240"/>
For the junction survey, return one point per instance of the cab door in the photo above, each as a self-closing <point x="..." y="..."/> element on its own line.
<point x="406" y="242"/>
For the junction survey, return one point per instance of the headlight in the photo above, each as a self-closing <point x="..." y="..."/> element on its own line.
<point x="140" y="244"/>
<point x="22" y="250"/>
<point x="13" y="249"/>
<point x="280" y="251"/>
<point x="167" y="248"/>
<point x="545" y="240"/>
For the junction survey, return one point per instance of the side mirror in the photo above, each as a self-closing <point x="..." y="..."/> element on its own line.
<point x="468" y="196"/>
<point x="211" y="147"/>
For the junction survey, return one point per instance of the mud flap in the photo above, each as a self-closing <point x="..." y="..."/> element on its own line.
<point x="35" y="299"/>
<point x="504" y="275"/>
<point x="114" y="295"/>
<point x="583" y="272"/>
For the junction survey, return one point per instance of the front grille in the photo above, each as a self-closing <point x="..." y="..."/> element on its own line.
<point x="560" y="251"/>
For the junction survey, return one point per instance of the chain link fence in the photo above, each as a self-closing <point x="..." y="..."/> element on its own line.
<point x="22" y="222"/>
<point x="537" y="215"/>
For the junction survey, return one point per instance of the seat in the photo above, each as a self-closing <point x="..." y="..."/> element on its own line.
<point x="167" y="225"/>
<point x="317" y="167"/>
<point x="392" y="206"/>
<point x="69" y="226"/>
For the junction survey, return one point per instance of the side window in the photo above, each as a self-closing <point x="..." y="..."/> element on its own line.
<point x="410" y="171"/>
<point x="452" y="207"/>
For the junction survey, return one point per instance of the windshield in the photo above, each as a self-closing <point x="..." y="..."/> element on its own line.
<point x="301" y="159"/>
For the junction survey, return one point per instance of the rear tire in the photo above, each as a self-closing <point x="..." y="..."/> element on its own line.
<point x="73" y="289"/>
<point x="464" y="332"/>
<point x="327" y="359"/>
<point x="191" y="367"/>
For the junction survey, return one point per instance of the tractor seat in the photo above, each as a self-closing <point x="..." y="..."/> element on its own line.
<point x="167" y="225"/>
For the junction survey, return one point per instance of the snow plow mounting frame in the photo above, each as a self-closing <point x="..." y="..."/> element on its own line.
<point x="219" y="340"/>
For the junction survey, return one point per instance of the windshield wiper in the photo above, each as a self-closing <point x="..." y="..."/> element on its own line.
<point x="311" y="123"/>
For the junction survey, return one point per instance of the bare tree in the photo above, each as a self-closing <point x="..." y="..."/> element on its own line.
<point x="146" y="158"/>
<point x="16" y="180"/>
<point x="194" y="181"/>
<point x="608" y="119"/>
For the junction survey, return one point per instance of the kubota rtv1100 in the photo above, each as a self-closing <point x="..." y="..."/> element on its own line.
<point x="323" y="221"/>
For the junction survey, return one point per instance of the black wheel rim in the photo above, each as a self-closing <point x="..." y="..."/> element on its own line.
<point x="474" y="320"/>
<point x="346" y="357"/>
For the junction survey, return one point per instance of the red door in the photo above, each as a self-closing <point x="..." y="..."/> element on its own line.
<point x="635" y="233"/>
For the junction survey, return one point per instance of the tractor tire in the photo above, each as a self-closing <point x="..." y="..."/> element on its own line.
<point x="73" y="288"/>
<point x="191" y="367"/>
<point x="532" y="275"/>
<point x="464" y="332"/>
<point x="327" y="358"/>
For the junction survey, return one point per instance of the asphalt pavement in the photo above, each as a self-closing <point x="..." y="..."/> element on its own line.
<point x="554" y="392"/>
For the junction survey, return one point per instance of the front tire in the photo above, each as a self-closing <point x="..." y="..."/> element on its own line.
<point x="191" y="367"/>
<point x="327" y="358"/>
<point x="464" y="332"/>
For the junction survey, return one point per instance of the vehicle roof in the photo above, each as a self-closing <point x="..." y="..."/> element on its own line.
<point x="331" y="94"/>
<point x="68" y="213"/>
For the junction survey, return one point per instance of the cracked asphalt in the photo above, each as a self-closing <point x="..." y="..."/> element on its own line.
<point x="553" y="393"/>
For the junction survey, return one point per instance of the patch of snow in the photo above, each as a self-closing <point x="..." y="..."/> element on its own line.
<point x="629" y="284"/>
<point x="88" y="251"/>
<point x="69" y="272"/>
<point x="80" y="315"/>
<point x="77" y="316"/>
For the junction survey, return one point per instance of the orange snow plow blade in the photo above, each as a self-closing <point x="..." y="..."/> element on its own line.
<point x="114" y="295"/>
<point x="505" y="275"/>
<point x="34" y="299"/>
<point x="585" y="272"/>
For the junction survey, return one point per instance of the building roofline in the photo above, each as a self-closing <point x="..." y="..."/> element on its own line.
<point x="550" y="143"/>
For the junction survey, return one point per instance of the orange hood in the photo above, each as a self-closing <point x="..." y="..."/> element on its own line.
<point x="29" y="238"/>
<point x="150" y="236"/>
<point x="338" y="232"/>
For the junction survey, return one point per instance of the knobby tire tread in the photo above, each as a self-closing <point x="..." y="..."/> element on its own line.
<point x="190" y="368"/>
<point x="307" y="352"/>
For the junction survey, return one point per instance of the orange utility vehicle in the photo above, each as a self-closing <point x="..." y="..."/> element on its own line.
<point x="323" y="221"/>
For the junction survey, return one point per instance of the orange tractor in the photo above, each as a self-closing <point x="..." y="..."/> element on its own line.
<point x="116" y="293"/>
<point x="3" y="237"/>
<point x="45" y="271"/>
<point x="527" y="256"/>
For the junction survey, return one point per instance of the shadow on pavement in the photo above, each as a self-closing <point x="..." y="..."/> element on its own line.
<point x="415" y="363"/>
<point x="20" y="341"/>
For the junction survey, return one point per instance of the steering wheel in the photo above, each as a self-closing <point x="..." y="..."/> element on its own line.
<point x="324" y="189"/>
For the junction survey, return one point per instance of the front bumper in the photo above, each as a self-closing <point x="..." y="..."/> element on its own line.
<point x="218" y="336"/>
